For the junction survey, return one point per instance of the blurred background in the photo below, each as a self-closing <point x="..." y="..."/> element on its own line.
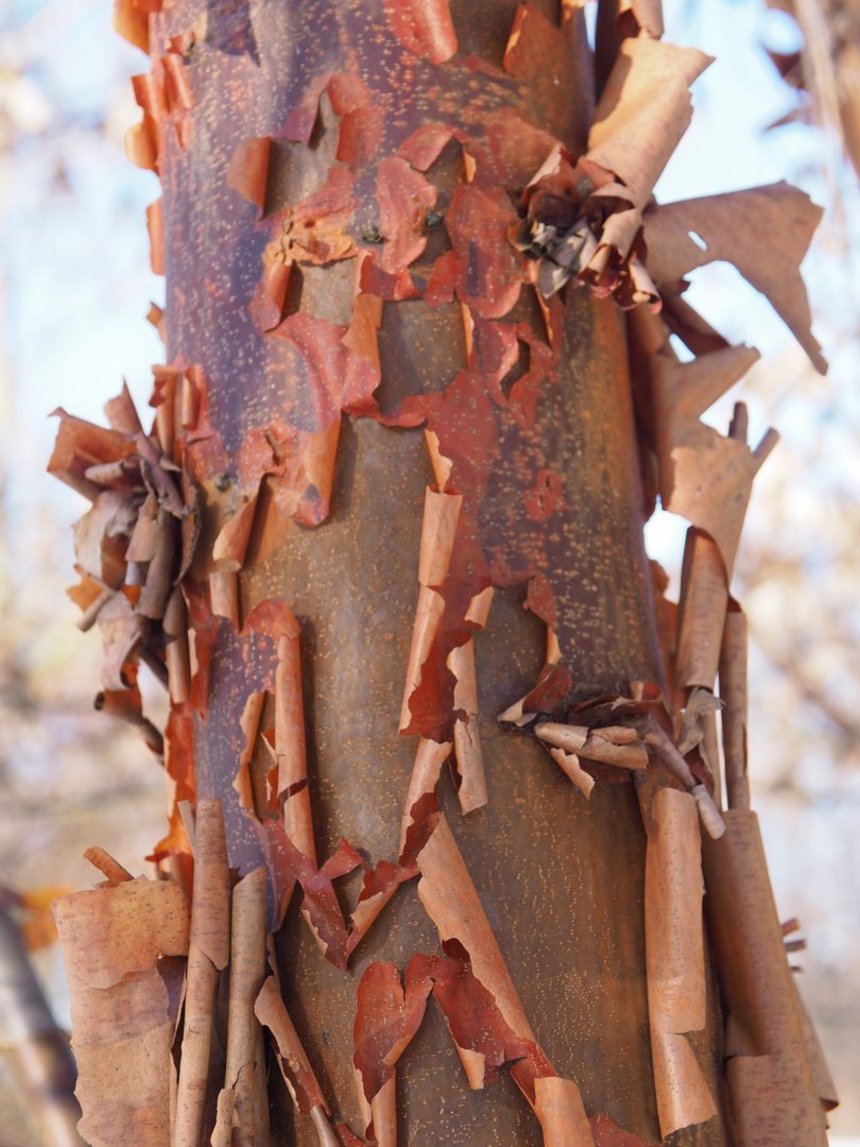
<point x="75" y="286"/>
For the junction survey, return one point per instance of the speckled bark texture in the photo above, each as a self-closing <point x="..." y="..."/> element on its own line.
<point x="431" y="740"/>
<point x="560" y="879"/>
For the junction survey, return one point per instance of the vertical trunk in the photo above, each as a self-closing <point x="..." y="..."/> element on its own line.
<point x="561" y="880"/>
<point x="391" y="516"/>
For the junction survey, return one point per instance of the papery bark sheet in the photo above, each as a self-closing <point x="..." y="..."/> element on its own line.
<point x="114" y="938"/>
<point x="764" y="231"/>
<point x="676" y="959"/>
<point x="208" y="956"/>
<point x="243" y="1107"/>
<point x="773" y="1093"/>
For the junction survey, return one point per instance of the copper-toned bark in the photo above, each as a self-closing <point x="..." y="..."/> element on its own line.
<point x="389" y="516"/>
<point x="774" y="1096"/>
<point x="561" y="880"/>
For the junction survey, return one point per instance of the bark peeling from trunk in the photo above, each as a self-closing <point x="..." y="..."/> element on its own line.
<point x="399" y="241"/>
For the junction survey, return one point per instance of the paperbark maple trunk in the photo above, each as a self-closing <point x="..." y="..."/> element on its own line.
<point x="379" y="228"/>
<point x="561" y="880"/>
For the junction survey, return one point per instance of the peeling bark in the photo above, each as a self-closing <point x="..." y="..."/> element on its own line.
<point x="398" y="238"/>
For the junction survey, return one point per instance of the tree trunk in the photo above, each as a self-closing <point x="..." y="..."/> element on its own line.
<point x="560" y="879"/>
<point x="365" y="363"/>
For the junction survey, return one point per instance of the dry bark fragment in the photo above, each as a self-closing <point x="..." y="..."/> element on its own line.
<point x="611" y="745"/>
<point x="158" y="584"/>
<point x="404" y="197"/>
<point x="250" y="724"/>
<point x="733" y="694"/>
<point x="643" y="112"/>
<point x="383" y="1113"/>
<point x="586" y="219"/>
<point x="208" y="956"/>
<point x="641" y="15"/>
<point x="137" y="921"/>
<point x="249" y="170"/>
<point x="701" y="612"/>
<point x="242" y="1104"/>
<point x="290" y="749"/>
<point x="438" y="532"/>
<point x="699" y="724"/>
<point x="122" y="414"/>
<point x="451" y="900"/>
<point x="111" y="869"/>
<point x="387" y="1017"/>
<point x="693" y="457"/>
<point x="764" y="231"/>
<point x="122" y="631"/>
<point x="472" y="790"/>
<point x="177" y="656"/>
<point x="430" y="756"/>
<point x="675" y="959"/>
<point x="81" y="445"/>
<point x="550" y="56"/>
<point x="704" y="476"/>
<point x="155" y="227"/>
<point x="181" y="785"/>
<point x="774" y="1097"/>
<point x="482" y="268"/>
<point x="485" y="1042"/>
<point x="166" y="381"/>
<point x="558" y="1106"/>
<point x="130" y="543"/>
<point x="112" y="939"/>
<point x="164" y="95"/>
<point x="99" y="537"/>
<point x="288" y="865"/>
<point x="131" y="21"/>
<point x="664" y="748"/>
<point x="570" y="766"/>
<point x="293" y="1061"/>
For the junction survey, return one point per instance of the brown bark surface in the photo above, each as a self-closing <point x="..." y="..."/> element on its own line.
<point x="390" y="516"/>
<point x="560" y="879"/>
